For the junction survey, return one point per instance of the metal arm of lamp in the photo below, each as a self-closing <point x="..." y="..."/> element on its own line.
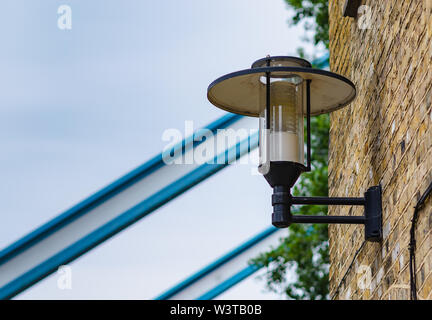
<point x="282" y="202"/>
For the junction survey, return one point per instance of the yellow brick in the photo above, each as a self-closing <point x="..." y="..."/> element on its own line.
<point x="389" y="142"/>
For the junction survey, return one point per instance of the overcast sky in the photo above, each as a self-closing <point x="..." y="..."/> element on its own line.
<point x="81" y="107"/>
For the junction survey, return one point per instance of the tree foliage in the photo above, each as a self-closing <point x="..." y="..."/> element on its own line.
<point x="314" y="15"/>
<point x="304" y="252"/>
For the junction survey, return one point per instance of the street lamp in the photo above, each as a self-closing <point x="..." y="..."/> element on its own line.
<point x="281" y="91"/>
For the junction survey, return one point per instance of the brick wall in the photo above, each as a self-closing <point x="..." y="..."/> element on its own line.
<point x="384" y="137"/>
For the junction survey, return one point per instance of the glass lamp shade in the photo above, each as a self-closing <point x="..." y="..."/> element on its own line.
<point x="295" y="90"/>
<point x="281" y="129"/>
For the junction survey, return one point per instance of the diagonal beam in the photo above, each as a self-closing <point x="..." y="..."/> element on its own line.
<point x="224" y="272"/>
<point x="109" y="211"/>
<point x="229" y="283"/>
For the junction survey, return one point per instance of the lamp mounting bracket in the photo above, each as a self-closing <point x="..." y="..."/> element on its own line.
<point x="372" y="218"/>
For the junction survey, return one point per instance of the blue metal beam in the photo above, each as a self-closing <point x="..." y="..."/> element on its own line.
<point x="67" y="254"/>
<point x="205" y="272"/>
<point x="229" y="283"/>
<point x="321" y="62"/>
<point x="108" y="192"/>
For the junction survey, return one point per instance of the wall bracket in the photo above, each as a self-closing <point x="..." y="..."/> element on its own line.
<point x="372" y="218"/>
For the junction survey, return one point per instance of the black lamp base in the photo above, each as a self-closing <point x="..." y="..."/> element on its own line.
<point x="282" y="176"/>
<point x="284" y="173"/>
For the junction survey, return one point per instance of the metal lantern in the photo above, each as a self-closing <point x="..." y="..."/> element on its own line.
<point x="282" y="91"/>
